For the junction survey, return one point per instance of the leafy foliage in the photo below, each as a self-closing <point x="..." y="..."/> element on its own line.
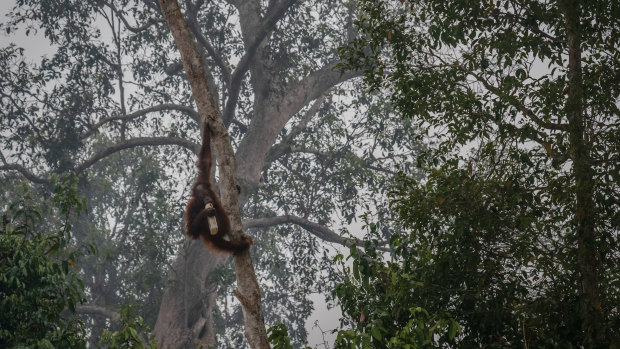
<point x="514" y="231"/>
<point x="132" y="335"/>
<point x="278" y="337"/>
<point x="380" y="299"/>
<point x="38" y="276"/>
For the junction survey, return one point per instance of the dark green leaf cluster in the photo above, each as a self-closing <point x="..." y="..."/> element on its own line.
<point x="480" y="249"/>
<point x="134" y="334"/>
<point x="381" y="300"/>
<point x="38" y="277"/>
<point x="278" y="337"/>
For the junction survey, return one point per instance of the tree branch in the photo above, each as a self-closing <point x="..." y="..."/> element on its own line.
<point x="259" y="32"/>
<point x="111" y="314"/>
<point x="247" y="291"/>
<point x="520" y="20"/>
<point x="188" y="110"/>
<point x="21" y="169"/>
<point x="315" y="229"/>
<point x="131" y="28"/>
<point x="202" y="40"/>
<point x="510" y="99"/>
<point x="313" y="86"/>
<point x="262" y="132"/>
<point x="277" y="150"/>
<point x="107" y="61"/>
<point x="136" y="142"/>
<point x="521" y="107"/>
<point x="132" y="143"/>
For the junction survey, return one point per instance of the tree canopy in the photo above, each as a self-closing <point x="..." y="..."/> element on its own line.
<point x="514" y="230"/>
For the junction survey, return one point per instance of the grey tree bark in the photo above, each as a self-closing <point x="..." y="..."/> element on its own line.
<point x="247" y="290"/>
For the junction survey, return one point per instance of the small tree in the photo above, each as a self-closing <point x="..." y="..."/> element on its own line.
<point x="38" y="276"/>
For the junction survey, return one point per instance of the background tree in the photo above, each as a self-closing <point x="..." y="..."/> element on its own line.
<point x="39" y="285"/>
<point x="110" y="102"/>
<point x="515" y="230"/>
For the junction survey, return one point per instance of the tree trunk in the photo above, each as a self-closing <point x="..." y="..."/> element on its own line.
<point x="247" y="287"/>
<point x="587" y="254"/>
<point x="185" y="318"/>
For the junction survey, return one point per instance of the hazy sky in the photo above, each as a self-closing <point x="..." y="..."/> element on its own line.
<point x="35" y="45"/>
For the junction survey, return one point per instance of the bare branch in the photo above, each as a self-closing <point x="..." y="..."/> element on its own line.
<point x="132" y="143"/>
<point x="131" y="28"/>
<point x="21" y="169"/>
<point x="520" y="106"/>
<point x="313" y="86"/>
<point x="188" y="110"/>
<point x="136" y="142"/>
<point x="202" y="40"/>
<point x="278" y="149"/>
<point x="259" y="139"/>
<point x="297" y="129"/>
<point x="109" y="313"/>
<point x="258" y="33"/>
<point x="315" y="229"/>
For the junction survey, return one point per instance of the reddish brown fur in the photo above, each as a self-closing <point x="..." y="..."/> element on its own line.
<point x="196" y="223"/>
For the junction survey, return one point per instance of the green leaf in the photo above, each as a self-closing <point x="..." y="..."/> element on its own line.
<point x="452" y="330"/>
<point x="376" y="333"/>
